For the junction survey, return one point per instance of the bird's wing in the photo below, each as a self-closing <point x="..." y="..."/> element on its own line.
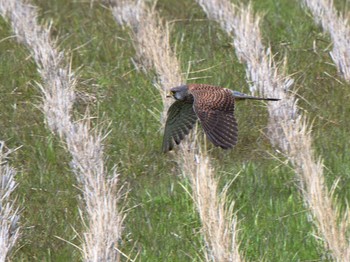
<point x="214" y="107"/>
<point x="180" y="121"/>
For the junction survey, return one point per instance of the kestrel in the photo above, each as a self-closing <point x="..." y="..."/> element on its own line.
<point x="213" y="106"/>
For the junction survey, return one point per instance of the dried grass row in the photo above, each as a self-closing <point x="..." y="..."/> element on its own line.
<point x="288" y="128"/>
<point x="336" y="24"/>
<point x="151" y="40"/>
<point x="99" y="187"/>
<point x="218" y="217"/>
<point x="9" y="213"/>
<point x="152" y="45"/>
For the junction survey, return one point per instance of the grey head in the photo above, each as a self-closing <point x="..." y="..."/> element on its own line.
<point x="181" y="93"/>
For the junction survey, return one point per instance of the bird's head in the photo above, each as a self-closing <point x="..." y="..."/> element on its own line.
<point x="179" y="93"/>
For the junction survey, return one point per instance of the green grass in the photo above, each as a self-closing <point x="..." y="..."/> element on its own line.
<point x="162" y="224"/>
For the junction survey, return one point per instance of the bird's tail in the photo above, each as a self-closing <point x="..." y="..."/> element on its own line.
<point x="240" y="96"/>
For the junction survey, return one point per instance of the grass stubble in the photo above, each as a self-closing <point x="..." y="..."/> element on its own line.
<point x="100" y="189"/>
<point x="151" y="40"/>
<point x="9" y="212"/>
<point x="289" y="130"/>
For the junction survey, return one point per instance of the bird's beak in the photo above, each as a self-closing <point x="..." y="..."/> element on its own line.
<point x="169" y="94"/>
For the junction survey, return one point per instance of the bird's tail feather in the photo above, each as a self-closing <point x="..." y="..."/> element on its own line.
<point x="240" y="96"/>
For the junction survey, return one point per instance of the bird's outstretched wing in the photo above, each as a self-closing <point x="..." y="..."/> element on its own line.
<point x="180" y="121"/>
<point x="214" y="107"/>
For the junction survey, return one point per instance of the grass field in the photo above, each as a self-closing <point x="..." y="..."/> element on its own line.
<point x="162" y="223"/>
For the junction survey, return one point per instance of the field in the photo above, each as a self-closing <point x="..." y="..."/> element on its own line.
<point x="161" y="221"/>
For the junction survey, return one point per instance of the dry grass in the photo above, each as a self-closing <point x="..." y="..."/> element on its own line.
<point x="288" y="129"/>
<point x="104" y="219"/>
<point x="337" y="26"/>
<point x="151" y="40"/>
<point x="219" y="222"/>
<point x="9" y="214"/>
<point x="330" y="223"/>
<point x="152" y="45"/>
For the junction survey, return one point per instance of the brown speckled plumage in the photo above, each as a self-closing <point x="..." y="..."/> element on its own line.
<point x="213" y="106"/>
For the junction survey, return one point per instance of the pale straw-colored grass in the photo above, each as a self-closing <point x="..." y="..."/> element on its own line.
<point x="151" y="41"/>
<point x="337" y="25"/>
<point x="288" y="128"/>
<point x="99" y="187"/>
<point x="219" y="222"/>
<point x="9" y="213"/>
<point x="152" y="45"/>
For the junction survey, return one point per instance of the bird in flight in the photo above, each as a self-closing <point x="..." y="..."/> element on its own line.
<point x="213" y="106"/>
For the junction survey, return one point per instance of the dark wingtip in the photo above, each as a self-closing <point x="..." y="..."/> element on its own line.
<point x="166" y="147"/>
<point x="228" y="146"/>
<point x="165" y="150"/>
